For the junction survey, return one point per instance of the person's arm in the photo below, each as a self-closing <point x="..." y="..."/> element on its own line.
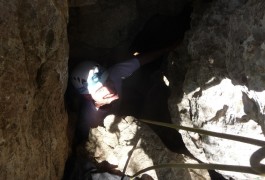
<point x="126" y="68"/>
<point x="145" y="58"/>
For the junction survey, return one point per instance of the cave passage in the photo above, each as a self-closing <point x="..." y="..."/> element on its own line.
<point x="138" y="90"/>
<point x="145" y="94"/>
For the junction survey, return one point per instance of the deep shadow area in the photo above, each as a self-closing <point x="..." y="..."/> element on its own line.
<point x="145" y="94"/>
<point x="162" y="30"/>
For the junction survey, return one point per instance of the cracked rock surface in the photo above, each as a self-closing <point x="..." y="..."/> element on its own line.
<point x="223" y="89"/>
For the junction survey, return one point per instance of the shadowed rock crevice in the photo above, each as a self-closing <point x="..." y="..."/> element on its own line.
<point x="160" y="30"/>
<point x="145" y="94"/>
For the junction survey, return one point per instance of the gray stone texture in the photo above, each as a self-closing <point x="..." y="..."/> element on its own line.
<point x="119" y="136"/>
<point x="216" y="76"/>
<point x="224" y="82"/>
<point x="33" y="76"/>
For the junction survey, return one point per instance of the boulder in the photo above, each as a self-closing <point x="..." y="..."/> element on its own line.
<point x="122" y="136"/>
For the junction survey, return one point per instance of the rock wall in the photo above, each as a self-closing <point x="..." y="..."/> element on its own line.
<point x="122" y="136"/>
<point x="33" y="78"/>
<point x="224" y="82"/>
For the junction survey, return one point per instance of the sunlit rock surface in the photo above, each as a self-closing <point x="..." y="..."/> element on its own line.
<point x="33" y="78"/>
<point x="224" y="83"/>
<point x="115" y="141"/>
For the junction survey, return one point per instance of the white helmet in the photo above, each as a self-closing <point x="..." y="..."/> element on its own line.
<point x="88" y="76"/>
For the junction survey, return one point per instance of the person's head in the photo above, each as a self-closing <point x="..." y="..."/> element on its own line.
<point x="105" y="94"/>
<point x="89" y="78"/>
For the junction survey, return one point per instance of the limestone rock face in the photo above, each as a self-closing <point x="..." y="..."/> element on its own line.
<point x="224" y="83"/>
<point x="33" y="78"/>
<point x="116" y="140"/>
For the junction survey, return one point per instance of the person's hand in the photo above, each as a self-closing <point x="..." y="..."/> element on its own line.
<point x="105" y="166"/>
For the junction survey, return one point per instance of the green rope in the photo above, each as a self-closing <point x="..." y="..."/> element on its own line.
<point x="255" y="159"/>
<point x="243" y="169"/>
<point x="210" y="133"/>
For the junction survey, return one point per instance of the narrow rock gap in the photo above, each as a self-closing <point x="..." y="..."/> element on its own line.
<point x="159" y="31"/>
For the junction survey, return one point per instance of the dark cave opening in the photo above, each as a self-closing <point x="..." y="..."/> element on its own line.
<point x="158" y="32"/>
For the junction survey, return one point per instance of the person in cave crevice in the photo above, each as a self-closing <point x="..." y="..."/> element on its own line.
<point x="100" y="89"/>
<point x="143" y="94"/>
<point x="126" y="89"/>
